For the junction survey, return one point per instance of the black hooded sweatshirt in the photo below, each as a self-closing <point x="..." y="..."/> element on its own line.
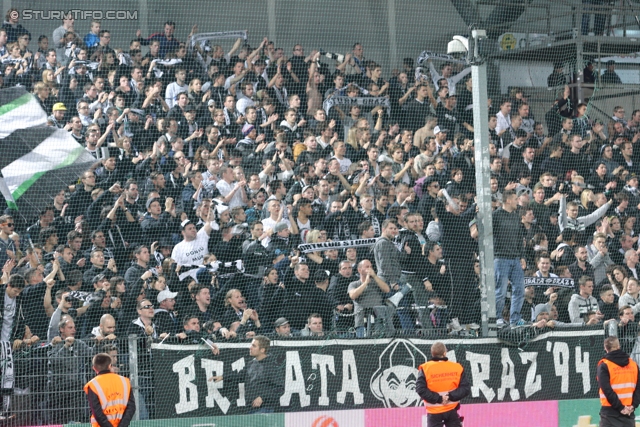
<point x="621" y="359"/>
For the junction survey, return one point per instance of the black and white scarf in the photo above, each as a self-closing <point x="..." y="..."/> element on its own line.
<point x="6" y="370"/>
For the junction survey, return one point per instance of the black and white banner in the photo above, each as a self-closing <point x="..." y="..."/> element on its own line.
<point x="421" y="62"/>
<point x="549" y="281"/>
<point x="202" y="38"/>
<point x="342" y="244"/>
<point x="375" y="373"/>
<point x="367" y="103"/>
<point x="426" y="55"/>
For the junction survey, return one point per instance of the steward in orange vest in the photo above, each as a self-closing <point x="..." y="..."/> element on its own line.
<point x="442" y="384"/>
<point x="618" y="379"/>
<point x="110" y="398"/>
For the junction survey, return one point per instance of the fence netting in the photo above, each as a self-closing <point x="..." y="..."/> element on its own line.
<point x="181" y="178"/>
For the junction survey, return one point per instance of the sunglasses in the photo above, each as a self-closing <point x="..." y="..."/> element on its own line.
<point x="147" y="306"/>
<point x="10" y="224"/>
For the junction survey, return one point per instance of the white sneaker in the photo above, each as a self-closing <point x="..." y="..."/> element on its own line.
<point x="500" y="323"/>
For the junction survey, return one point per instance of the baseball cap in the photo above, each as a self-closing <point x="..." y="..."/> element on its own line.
<point x="437" y="130"/>
<point x="184" y="223"/>
<point x="320" y="276"/>
<point x="166" y="294"/>
<point x="211" y="102"/>
<point x="155" y="199"/>
<point x="59" y="106"/>
<point x="98" y="278"/>
<point x="280" y="321"/>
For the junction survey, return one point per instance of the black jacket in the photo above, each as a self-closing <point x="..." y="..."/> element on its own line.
<point x="507" y="234"/>
<point x="262" y="378"/>
<point x="295" y="299"/>
<point x="166" y="322"/>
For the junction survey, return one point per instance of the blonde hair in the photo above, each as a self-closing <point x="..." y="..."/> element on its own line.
<point x="45" y="73"/>
<point x="312" y="236"/>
<point x="228" y="296"/>
<point x="352" y="138"/>
<point x="585" y="197"/>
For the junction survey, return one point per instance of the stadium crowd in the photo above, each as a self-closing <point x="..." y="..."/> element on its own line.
<point x="212" y="167"/>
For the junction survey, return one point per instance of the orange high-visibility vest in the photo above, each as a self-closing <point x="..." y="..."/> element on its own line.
<point x="442" y="377"/>
<point x="113" y="391"/>
<point x="623" y="381"/>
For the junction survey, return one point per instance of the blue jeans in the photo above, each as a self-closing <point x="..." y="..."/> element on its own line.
<point x="509" y="269"/>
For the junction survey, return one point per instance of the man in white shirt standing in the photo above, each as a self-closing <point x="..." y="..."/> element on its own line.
<point x="195" y="244"/>
<point x="276" y="209"/>
<point x="232" y="194"/>
<point x="504" y="117"/>
<point x="246" y="99"/>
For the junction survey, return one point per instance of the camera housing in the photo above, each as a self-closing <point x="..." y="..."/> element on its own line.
<point x="458" y="47"/>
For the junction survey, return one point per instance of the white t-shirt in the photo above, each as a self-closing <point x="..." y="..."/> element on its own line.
<point x="225" y="188"/>
<point x="9" y="313"/>
<point x="302" y="227"/>
<point x="193" y="252"/>
<point x="270" y="223"/>
<point x="344" y="164"/>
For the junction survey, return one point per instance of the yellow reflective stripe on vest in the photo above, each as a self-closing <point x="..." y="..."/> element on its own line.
<point x="620" y="395"/>
<point x="626" y="385"/>
<point x="125" y="387"/>
<point x="101" y="395"/>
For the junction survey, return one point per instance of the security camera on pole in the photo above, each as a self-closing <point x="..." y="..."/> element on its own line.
<point x="460" y="46"/>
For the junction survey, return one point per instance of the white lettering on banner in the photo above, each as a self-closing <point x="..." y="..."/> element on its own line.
<point x="238" y="366"/>
<point x="508" y="379"/>
<point x="323" y="362"/>
<point x="350" y="379"/>
<point x="561" y="364"/>
<point x="532" y="382"/>
<point x="480" y="372"/>
<point x="214" y="368"/>
<point x="294" y="381"/>
<point x="188" y="390"/>
<point x="582" y="367"/>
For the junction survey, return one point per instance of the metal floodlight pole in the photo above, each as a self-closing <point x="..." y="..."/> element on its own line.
<point x="483" y="185"/>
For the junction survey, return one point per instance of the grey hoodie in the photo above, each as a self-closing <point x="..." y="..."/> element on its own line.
<point x="579" y="306"/>
<point x="632" y="302"/>
<point x="387" y="258"/>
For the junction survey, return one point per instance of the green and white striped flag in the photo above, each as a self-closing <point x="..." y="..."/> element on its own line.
<point x="38" y="162"/>
<point x="19" y="110"/>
